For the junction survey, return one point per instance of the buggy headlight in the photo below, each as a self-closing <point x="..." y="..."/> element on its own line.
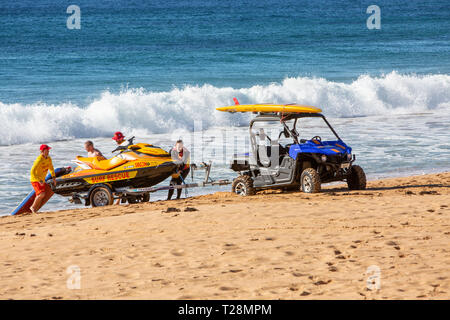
<point x="349" y="156"/>
<point x="323" y="158"/>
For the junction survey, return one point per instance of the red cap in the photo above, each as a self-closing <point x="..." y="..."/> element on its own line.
<point x="44" y="147"/>
<point x="118" y="136"/>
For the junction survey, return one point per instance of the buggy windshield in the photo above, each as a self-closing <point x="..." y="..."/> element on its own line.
<point x="309" y="127"/>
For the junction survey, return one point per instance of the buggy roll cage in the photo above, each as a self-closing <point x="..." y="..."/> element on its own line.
<point x="283" y="118"/>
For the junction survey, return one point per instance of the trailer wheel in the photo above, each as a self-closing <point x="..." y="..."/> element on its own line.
<point x="132" y="199"/>
<point x="356" y="180"/>
<point x="310" y="181"/>
<point x="146" y="197"/>
<point x="243" y="186"/>
<point x="141" y="198"/>
<point x="101" y="196"/>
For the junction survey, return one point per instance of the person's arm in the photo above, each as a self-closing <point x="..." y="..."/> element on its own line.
<point x="174" y="156"/>
<point x="52" y="171"/>
<point x="186" y="156"/>
<point x="98" y="153"/>
<point x="33" y="170"/>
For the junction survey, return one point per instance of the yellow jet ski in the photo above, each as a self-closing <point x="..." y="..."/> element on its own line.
<point x="138" y="165"/>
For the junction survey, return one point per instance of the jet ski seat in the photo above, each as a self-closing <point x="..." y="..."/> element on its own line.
<point x="100" y="163"/>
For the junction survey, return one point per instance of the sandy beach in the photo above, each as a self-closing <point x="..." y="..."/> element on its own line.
<point x="221" y="246"/>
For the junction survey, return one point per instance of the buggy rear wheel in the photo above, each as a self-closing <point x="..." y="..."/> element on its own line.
<point x="310" y="181"/>
<point x="101" y="196"/>
<point x="356" y="180"/>
<point x="243" y="186"/>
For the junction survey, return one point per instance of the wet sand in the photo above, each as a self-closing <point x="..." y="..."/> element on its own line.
<point x="269" y="246"/>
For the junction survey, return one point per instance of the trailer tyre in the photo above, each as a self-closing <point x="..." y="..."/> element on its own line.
<point x="141" y="198"/>
<point x="310" y="181"/>
<point x="243" y="186"/>
<point x="132" y="199"/>
<point x="146" y="197"/>
<point x="356" y="180"/>
<point x="101" y="196"/>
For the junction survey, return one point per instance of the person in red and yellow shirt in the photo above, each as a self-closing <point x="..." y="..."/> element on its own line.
<point x="41" y="166"/>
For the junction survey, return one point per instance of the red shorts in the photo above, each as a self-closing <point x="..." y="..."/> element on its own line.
<point x="39" y="188"/>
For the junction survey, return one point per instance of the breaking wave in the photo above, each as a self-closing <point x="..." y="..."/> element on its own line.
<point x="145" y="112"/>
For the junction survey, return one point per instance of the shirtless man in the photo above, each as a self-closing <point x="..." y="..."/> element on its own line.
<point x="92" y="152"/>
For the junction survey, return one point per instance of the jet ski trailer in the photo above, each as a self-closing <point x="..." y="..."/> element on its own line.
<point x="135" y="195"/>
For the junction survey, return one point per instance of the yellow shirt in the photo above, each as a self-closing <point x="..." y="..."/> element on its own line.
<point x="40" y="168"/>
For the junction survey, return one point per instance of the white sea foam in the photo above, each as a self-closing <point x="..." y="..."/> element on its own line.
<point x="138" y="111"/>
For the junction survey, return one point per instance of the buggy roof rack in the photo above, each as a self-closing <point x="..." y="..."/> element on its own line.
<point x="271" y="108"/>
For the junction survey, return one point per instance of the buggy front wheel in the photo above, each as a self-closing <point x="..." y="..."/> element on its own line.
<point x="356" y="180"/>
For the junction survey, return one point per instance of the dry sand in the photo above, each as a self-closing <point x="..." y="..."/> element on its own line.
<point x="269" y="246"/>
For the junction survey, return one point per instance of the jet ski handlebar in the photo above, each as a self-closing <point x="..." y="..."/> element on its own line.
<point x="121" y="148"/>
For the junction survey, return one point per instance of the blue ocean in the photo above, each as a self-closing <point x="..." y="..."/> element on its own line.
<point x="158" y="70"/>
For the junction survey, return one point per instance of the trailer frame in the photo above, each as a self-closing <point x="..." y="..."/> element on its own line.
<point x="126" y="194"/>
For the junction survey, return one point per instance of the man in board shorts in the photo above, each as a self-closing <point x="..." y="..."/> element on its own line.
<point x="41" y="166"/>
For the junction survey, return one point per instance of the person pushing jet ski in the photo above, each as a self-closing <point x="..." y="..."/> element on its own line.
<point x="41" y="166"/>
<point x="180" y="155"/>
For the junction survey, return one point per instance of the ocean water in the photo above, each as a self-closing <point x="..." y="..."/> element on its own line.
<point x="158" y="69"/>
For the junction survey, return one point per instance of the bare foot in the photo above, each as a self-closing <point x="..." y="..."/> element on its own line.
<point x="32" y="210"/>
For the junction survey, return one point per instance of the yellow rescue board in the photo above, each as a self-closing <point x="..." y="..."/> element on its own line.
<point x="269" y="108"/>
